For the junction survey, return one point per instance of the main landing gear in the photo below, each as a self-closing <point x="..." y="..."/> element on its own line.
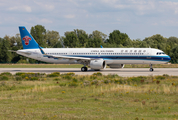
<point x="83" y="69"/>
<point x="151" y="69"/>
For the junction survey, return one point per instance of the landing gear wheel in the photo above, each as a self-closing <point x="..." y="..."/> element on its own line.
<point x="151" y="69"/>
<point x="86" y="68"/>
<point x="83" y="69"/>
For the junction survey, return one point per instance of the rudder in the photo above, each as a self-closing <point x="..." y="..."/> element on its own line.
<point x="28" y="41"/>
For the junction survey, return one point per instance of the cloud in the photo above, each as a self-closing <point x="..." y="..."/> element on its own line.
<point x="20" y="8"/>
<point x="46" y="21"/>
<point x="169" y="6"/>
<point x="69" y="16"/>
<point x="45" y="6"/>
<point x="137" y="18"/>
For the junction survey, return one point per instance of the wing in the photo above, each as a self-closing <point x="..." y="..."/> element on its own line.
<point x="66" y="57"/>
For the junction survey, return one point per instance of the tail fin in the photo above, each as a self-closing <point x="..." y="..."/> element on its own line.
<point x="28" y="41"/>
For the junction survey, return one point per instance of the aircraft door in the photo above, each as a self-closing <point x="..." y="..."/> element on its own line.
<point x="98" y="54"/>
<point x="70" y="53"/>
<point x="149" y="54"/>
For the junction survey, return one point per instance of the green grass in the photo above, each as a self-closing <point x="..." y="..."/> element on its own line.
<point x="79" y="66"/>
<point x="89" y="97"/>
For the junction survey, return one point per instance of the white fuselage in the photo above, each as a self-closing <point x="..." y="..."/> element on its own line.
<point x="110" y="55"/>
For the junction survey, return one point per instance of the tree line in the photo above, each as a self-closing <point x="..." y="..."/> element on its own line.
<point x="80" y="39"/>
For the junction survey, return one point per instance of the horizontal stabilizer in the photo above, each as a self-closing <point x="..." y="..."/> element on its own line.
<point x="12" y="51"/>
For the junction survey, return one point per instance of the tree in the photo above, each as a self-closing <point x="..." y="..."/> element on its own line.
<point x="116" y="37"/>
<point x="139" y="44"/>
<point x="96" y="39"/>
<point x="71" y="40"/>
<point x="38" y="32"/>
<point x="174" y="55"/>
<point x="5" y="55"/>
<point x="156" y="41"/>
<point x="52" y="38"/>
<point x="58" y="45"/>
<point x="82" y="37"/>
<point x="18" y="41"/>
<point x="128" y="43"/>
<point x="11" y="40"/>
<point x="171" y="43"/>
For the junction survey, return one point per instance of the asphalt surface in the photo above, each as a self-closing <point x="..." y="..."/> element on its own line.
<point x="125" y="72"/>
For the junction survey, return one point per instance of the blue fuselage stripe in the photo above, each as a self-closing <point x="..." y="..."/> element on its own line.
<point x="154" y="58"/>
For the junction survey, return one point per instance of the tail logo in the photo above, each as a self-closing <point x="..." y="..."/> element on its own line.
<point x="27" y="39"/>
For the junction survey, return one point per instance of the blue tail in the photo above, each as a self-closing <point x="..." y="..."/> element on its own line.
<point x="28" y="41"/>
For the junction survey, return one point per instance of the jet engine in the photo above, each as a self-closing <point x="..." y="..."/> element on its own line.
<point x="116" y="66"/>
<point x="97" y="64"/>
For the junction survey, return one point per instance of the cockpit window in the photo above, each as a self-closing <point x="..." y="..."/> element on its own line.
<point x="160" y="53"/>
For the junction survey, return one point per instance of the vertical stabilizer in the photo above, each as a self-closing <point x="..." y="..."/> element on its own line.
<point x="28" y="41"/>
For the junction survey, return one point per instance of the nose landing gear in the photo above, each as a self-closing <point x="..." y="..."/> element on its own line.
<point x="151" y="69"/>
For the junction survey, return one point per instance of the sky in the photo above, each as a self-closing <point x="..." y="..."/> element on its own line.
<point x="137" y="18"/>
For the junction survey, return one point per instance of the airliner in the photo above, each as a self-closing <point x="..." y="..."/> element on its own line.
<point x="95" y="58"/>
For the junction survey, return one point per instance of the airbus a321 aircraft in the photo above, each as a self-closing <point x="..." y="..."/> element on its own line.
<point x="95" y="58"/>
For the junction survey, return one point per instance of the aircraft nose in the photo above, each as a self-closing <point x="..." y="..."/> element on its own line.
<point x="169" y="58"/>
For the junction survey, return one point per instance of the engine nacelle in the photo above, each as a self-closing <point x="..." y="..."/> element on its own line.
<point x="97" y="64"/>
<point x="116" y="66"/>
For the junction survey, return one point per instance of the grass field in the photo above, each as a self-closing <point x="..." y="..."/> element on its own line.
<point x="70" y="96"/>
<point x="79" y="66"/>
